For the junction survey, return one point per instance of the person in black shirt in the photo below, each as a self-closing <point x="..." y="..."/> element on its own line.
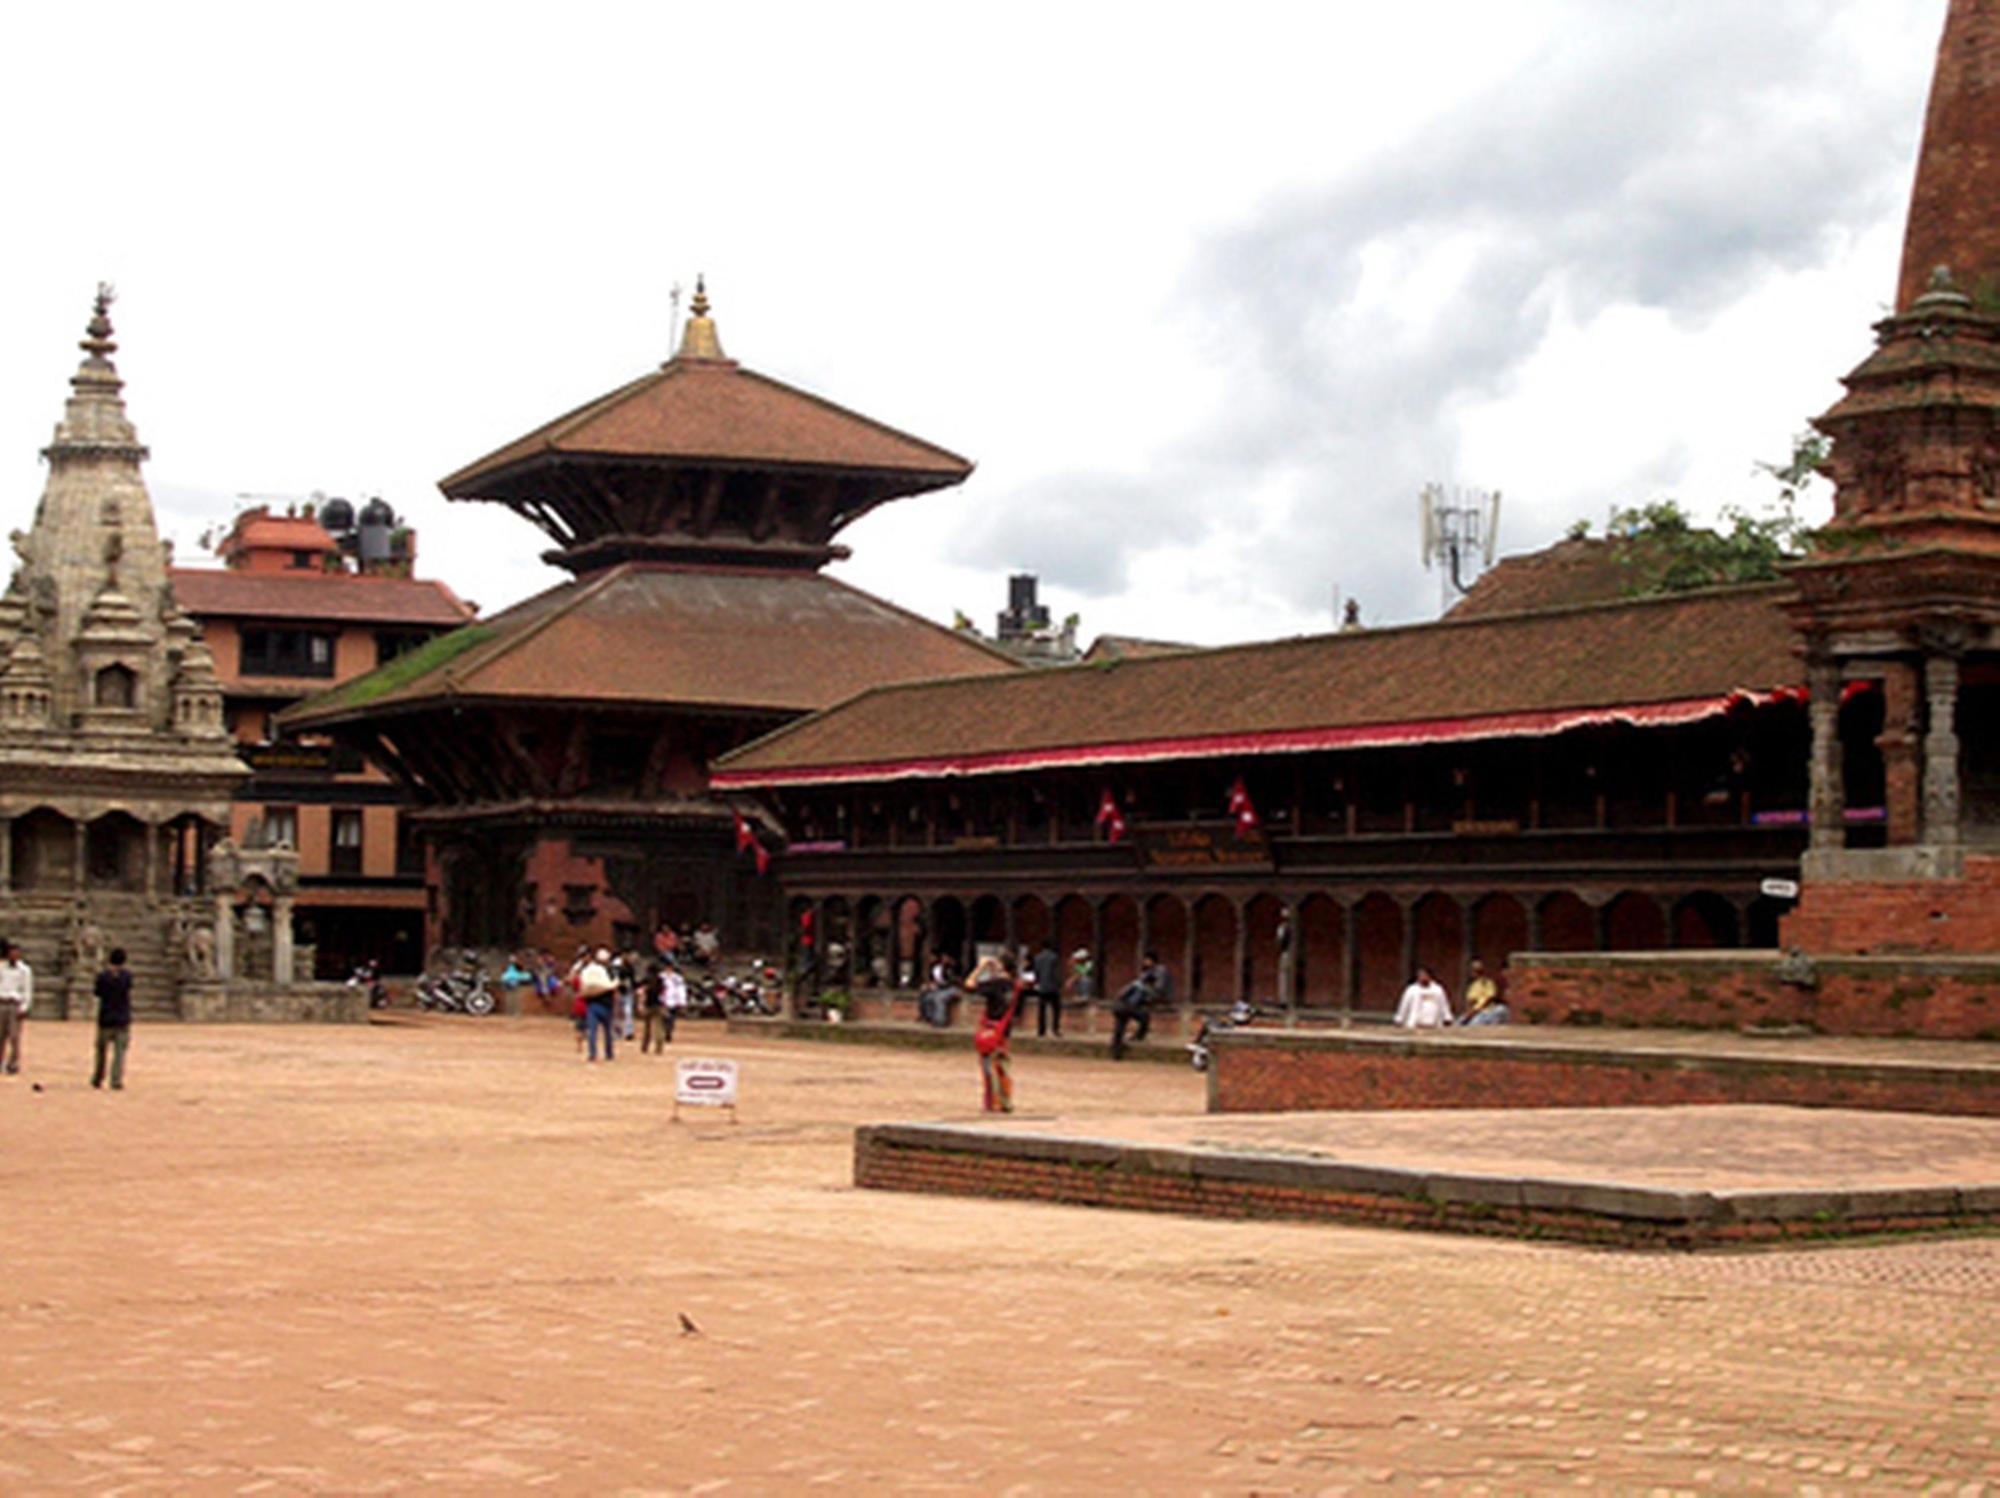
<point x="114" y="1020"/>
<point x="1047" y="969"/>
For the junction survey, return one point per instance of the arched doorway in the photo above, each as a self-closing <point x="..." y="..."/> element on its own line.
<point x="948" y="931"/>
<point x="114" y="852"/>
<point x="1073" y="933"/>
<point x="1499" y="930"/>
<point x="1214" y="979"/>
<point x="1704" y="920"/>
<point x="1121" y="945"/>
<point x="1031" y="922"/>
<point x="1634" y="923"/>
<point x="1166" y="934"/>
<point x="1322" y="970"/>
<point x="1440" y="943"/>
<point x="1262" y="957"/>
<point x="988" y="919"/>
<point x="43" y="849"/>
<point x="1378" y="945"/>
<point x="1568" y="925"/>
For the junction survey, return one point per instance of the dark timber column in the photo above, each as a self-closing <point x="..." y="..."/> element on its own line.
<point x="6" y="853"/>
<point x="77" y="871"/>
<point x="1239" y="983"/>
<point x="1288" y="958"/>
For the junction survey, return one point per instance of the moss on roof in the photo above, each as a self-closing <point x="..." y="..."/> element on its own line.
<point x="399" y="673"/>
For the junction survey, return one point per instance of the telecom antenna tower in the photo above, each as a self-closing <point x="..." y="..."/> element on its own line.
<point x="1460" y="529"/>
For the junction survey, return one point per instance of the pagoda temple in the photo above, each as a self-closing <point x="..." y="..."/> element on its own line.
<point x="560" y="749"/>
<point x="115" y="767"/>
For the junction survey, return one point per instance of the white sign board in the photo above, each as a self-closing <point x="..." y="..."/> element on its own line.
<point x="705" y="1084"/>
<point x="1780" y="889"/>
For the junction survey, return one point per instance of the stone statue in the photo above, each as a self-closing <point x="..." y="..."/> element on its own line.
<point x="86" y="943"/>
<point x="199" y="951"/>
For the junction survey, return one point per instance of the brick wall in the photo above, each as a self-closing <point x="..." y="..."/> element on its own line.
<point x="1937" y="997"/>
<point x="894" y="1157"/>
<point x="1918" y="915"/>
<point x="1273" y="1072"/>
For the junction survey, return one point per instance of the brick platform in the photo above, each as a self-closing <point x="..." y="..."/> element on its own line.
<point x="1937" y="997"/>
<point x="1631" y="1179"/>
<point x="1263" y="1071"/>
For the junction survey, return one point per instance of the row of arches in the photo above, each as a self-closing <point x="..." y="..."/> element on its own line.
<point x="1318" y="949"/>
<point x="46" y="852"/>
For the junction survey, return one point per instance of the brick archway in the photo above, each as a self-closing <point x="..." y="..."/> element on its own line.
<point x="1214" y="979"/>
<point x="1568" y="925"/>
<point x="1378" y="946"/>
<point x="1322" y="943"/>
<point x="1634" y="922"/>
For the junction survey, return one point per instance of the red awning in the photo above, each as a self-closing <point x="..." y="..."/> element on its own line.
<point x="1288" y="741"/>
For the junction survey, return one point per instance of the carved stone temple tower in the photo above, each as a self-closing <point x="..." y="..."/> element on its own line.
<point x="115" y="769"/>
<point x="1899" y="609"/>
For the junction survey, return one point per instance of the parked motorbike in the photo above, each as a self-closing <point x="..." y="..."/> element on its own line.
<point x="461" y="992"/>
<point x="1241" y="1013"/>
<point x="368" y="977"/>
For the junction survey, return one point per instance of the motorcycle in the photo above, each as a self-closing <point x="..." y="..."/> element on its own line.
<point x="368" y="977"/>
<point x="1241" y="1013"/>
<point x="462" y="992"/>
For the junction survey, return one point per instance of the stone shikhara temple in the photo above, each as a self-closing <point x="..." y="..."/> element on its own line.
<point x="115" y="766"/>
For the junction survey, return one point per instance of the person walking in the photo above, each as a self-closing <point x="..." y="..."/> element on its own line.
<point x="114" y="1020"/>
<point x="17" y="997"/>
<point x="1047" y="968"/>
<point x="657" y="1025"/>
<point x="597" y="988"/>
<point x="999" y="987"/>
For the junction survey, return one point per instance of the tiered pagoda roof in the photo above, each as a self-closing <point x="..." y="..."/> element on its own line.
<point x="704" y="460"/>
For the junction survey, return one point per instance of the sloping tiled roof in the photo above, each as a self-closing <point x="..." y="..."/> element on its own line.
<point x="210" y="593"/>
<point x="1125" y="647"/>
<point x="655" y="633"/>
<point x="281" y="533"/>
<point x="715" y="410"/>
<point x="1584" y="569"/>
<point x="1664" y="659"/>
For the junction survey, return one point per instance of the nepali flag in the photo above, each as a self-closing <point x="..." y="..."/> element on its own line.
<point x="745" y="838"/>
<point x="1241" y="808"/>
<point x="1110" y="818"/>
<point x="763" y="857"/>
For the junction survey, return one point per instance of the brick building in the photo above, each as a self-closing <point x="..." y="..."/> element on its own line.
<point x="290" y="611"/>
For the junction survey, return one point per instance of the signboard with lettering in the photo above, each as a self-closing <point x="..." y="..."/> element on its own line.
<point x="1187" y="846"/>
<point x="702" y="1083"/>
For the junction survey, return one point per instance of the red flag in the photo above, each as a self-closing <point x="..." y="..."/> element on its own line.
<point x="1854" y="689"/>
<point x="1110" y="818"/>
<point x="763" y="858"/>
<point x="745" y="838"/>
<point x="1241" y="808"/>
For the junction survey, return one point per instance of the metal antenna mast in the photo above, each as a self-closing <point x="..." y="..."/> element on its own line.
<point x="1460" y="529"/>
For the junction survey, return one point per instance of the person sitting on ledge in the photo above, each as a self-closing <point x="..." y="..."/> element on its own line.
<point x="1483" y="1004"/>
<point x="1425" y="1005"/>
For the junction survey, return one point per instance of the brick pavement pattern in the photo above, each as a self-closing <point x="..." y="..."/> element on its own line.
<point x="355" y="1260"/>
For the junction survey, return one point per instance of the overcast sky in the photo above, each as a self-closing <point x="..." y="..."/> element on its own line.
<point x="1208" y="293"/>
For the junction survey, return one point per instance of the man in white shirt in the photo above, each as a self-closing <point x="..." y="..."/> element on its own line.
<point x="17" y="997"/>
<point x="1425" y="1005"/>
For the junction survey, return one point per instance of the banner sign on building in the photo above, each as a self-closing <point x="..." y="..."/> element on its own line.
<point x="1200" y="845"/>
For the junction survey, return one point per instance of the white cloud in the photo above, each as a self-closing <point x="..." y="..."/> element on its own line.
<point x="1207" y="294"/>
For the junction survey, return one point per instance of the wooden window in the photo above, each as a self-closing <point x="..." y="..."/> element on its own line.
<point x="345" y="857"/>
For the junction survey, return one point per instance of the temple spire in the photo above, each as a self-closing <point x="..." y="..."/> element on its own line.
<point x="1952" y="220"/>
<point x="94" y="423"/>
<point x="698" y="339"/>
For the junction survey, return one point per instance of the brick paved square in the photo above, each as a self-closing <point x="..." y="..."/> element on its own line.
<point x="448" y="1253"/>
